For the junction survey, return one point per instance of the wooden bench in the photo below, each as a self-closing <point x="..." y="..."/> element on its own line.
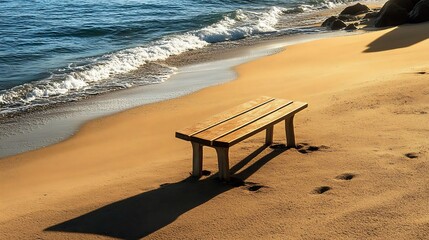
<point x="230" y="127"/>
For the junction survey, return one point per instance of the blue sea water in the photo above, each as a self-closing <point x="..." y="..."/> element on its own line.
<point x="59" y="51"/>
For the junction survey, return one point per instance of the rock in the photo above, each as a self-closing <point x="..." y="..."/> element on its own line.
<point x="329" y="21"/>
<point x="350" y="27"/>
<point x="348" y="18"/>
<point x="391" y="14"/>
<point x="407" y="4"/>
<point x="364" y="21"/>
<point x="355" y="9"/>
<point x="337" y="25"/>
<point x="334" y="23"/>
<point x="420" y="12"/>
<point x="371" y="15"/>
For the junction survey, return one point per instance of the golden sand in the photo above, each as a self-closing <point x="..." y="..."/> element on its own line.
<point x="368" y="101"/>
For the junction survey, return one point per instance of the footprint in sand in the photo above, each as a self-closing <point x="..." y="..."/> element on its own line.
<point x="303" y="148"/>
<point x="306" y="148"/>
<point x="253" y="187"/>
<point x="345" y="176"/>
<point x="321" y="189"/>
<point x="250" y="186"/>
<point x="411" y="155"/>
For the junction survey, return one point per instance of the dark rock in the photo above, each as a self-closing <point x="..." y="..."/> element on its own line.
<point x="391" y="14"/>
<point x="348" y="18"/>
<point x="355" y="9"/>
<point x="350" y="27"/>
<point x="420" y="12"/>
<point x="407" y="4"/>
<point x="371" y="15"/>
<point x="364" y="21"/>
<point x="329" y="21"/>
<point x="337" y="25"/>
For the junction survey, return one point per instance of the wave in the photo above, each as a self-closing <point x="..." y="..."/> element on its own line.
<point x="241" y="24"/>
<point x="103" y="73"/>
<point x="318" y="4"/>
<point x="99" y="71"/>
<point x="315" y="5"/>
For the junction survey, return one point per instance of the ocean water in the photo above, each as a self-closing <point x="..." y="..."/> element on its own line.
<point x="61" y="51"/>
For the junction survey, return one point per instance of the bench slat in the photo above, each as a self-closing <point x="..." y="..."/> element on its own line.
<point x="222" y="117"/>
<point x="207" y="136"/>
<point x="259" y="125"/>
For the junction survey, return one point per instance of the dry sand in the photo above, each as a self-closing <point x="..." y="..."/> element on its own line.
<point x="125" y="176"/>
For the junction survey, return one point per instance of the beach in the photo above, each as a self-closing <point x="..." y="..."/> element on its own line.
<point x="201" y="69"/>
<point x="361" y="171"/>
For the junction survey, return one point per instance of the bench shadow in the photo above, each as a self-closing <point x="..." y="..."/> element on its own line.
<point x="138" y="216"/>
<point x="400" y="37"/>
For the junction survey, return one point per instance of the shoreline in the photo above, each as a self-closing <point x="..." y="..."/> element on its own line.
<point x="39" y="129"/>
<point x="157" y="71"/>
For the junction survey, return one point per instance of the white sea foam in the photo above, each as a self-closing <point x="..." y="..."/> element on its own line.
<point x="78" y="79"/>
<point x="241" y="25"/>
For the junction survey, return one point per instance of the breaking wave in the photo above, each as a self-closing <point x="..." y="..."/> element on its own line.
<point x="103" y="73"/>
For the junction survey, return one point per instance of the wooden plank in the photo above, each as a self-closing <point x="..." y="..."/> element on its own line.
<point x="206" y="137"/>
<point x="259" y="125"/>
<point x="222" y="117"/>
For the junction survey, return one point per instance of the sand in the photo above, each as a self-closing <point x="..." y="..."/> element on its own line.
<point x="362" y="171"/>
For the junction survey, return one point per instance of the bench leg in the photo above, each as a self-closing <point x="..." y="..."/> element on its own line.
<point x="223" y="162"/>
<point x="290" y="135"/>
<point x="269" y="136"/>
<point x="197" y="159"/>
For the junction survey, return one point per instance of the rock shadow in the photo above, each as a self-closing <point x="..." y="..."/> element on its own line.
<point x="400" y="37"/>
<point x="145" y="213"/>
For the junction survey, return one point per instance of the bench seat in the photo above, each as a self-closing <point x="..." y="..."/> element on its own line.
<point x="233" y="126"/>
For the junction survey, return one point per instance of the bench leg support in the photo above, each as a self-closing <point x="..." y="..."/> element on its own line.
<point x="290" y="134"/>
<point x="223" y="162"/>
<point x="197" y="159"/>
<point x="269" y="136"/>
